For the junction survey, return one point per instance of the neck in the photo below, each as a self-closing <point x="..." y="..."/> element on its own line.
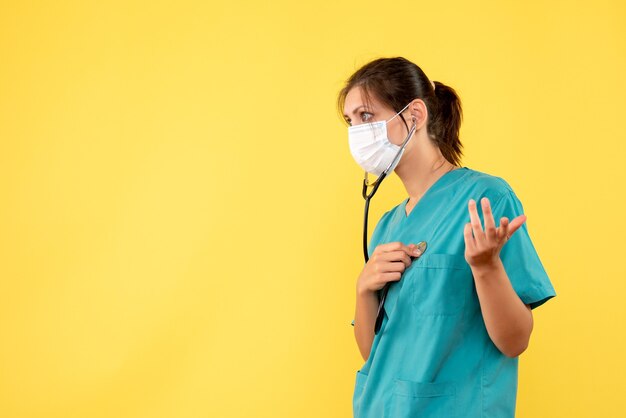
<point x="421" y="166"/>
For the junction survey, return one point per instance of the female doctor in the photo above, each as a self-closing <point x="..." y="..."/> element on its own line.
<point x="451" y="271"/>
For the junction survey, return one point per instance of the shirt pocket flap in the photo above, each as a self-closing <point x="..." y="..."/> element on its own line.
<point x="443" y="261"/>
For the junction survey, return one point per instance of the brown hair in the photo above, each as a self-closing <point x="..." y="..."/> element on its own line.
<point x="396" y="82"/>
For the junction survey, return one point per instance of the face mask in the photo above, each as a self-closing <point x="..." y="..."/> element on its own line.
<point x="371" y="149"/>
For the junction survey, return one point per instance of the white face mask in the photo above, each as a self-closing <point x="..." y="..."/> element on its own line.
<point x="371" y="148"/>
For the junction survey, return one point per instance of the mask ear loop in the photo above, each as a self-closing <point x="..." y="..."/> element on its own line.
<point x="402" y="110"/>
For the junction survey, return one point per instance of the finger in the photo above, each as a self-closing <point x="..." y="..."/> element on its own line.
<point x="392" y="266"/>
<point x="516" y="224"/>
<point x="467" y="234"/>
<point x="418" y="249"/>
<point x="503" y="229"/>
<point x="479" y="235"/>
<point x="388" y="247"/>
<point x="396" y="256"/>
<point x="490" y="224"/>
<point x="395" y="246"/>
<point x="391" y="277"/>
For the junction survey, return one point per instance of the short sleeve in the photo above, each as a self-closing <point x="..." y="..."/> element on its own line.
<point x="519" y="257"/>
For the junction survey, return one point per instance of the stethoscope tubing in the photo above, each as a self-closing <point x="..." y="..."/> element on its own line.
<point x="368" y="197"/>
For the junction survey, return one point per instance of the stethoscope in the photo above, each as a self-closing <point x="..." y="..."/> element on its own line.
<point x="367" y="197"/>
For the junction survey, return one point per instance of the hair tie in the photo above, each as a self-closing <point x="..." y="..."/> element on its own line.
<point x="433" y="83"/>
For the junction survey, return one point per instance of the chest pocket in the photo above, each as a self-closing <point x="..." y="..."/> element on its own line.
<point x="440" y="284"/>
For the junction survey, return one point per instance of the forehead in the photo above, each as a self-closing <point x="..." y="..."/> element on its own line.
<point x="356" y="98"/>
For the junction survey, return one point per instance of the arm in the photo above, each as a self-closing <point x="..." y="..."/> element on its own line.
<point x="364" y="319"/>
<point x="508" y="320"/>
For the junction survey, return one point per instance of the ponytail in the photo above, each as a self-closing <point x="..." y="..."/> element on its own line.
<point x="445" y="122"/>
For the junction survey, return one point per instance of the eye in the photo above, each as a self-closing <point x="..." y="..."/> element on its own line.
<point x="348" y="121"/>
<point x="365" y="116"/>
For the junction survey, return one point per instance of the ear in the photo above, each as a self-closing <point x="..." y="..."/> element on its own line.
<point x="419" y="113"/>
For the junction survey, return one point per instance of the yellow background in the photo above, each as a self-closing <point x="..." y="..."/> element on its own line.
<point x="180" y="215"/>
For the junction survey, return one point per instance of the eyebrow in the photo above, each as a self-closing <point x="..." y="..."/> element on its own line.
<point x="354" y="111"/>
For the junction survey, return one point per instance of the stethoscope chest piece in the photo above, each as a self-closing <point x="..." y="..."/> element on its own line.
<point x="422" y="247"/>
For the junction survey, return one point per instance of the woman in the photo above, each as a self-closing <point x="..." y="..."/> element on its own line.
<point x="458" y="315"/>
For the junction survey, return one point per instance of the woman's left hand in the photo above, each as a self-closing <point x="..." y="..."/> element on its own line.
<point x="483" y="249"/>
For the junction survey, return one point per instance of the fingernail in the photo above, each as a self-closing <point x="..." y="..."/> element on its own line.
<point x="417" y="252"/>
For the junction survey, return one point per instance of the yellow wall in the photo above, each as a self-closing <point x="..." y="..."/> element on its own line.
<point x="180" y="216"/>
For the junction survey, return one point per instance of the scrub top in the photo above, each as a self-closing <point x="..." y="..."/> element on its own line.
<point x="432" y="356"/>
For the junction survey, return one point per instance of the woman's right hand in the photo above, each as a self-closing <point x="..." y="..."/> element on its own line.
<point x="387" y="263"/>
